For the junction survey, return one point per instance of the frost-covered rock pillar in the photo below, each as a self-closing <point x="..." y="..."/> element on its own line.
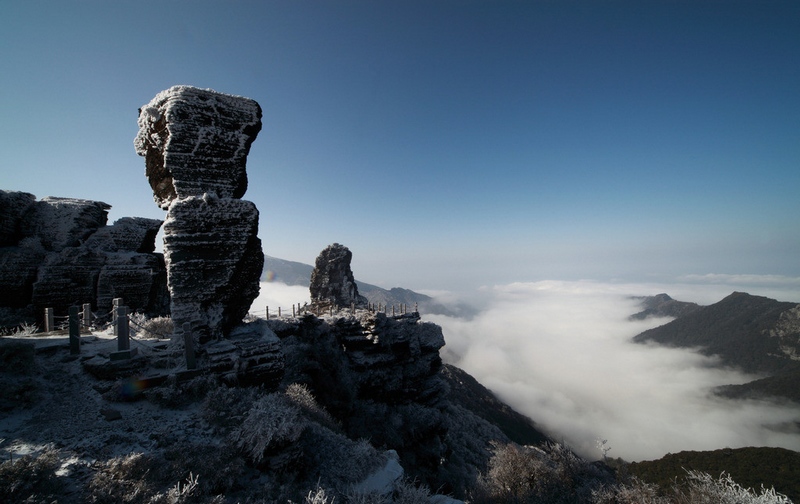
<point x="195" y="144"/>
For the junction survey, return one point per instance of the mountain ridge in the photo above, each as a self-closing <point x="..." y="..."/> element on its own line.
<point x="755" y="334"/>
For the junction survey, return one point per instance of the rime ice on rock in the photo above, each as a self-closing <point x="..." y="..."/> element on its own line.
<point x="214" y="261"/>
<point x="332" y="281"/>
<point x="195" y="143"/>
<point x="59" y="252"/>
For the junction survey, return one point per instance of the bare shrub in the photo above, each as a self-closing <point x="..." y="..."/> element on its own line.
<point x="123" y="479"/>
<point x="353" y="496"/>
<point x="31" y="479"/>
<point x="339" y="461"/>
<point x="153" y="328"/>
<point x="271" y="423"/>
<point x="227" y="406"/>
<point x="179" y="494"/>
<point x="702" y="488"/>
<point x="318" y="496"/>
<point x="528" y="474"/>
<point x="406" y="492"/>
<point x="635" y="491"/>
<point x="299" y="394"/>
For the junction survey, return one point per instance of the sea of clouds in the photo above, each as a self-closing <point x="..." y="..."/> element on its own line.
<point x="561" y="353"/>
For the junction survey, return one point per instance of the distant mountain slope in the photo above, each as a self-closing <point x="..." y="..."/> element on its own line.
<point x="296" y="273"/>
<point x="661" y="305"/>
<point x="750" y="467"/>
<point x="467" y="392"/>
<point x="288" y="272"/>
<point x="754" y="333"/>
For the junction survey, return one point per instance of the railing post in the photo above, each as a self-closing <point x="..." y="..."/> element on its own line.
<point x="74" y="331"/>
<point x="123" y="331"/>
<point x="188" y="345"/>
<point x="87" y="315"/>
<point x="279" y="312"/>
<point x="115" y="303"/>
<point x="267" y="312"/>
<point x="293" y="315"/>
<point x="49" y="320"/>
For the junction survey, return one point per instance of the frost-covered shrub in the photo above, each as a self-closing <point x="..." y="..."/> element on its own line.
<point x="31" y="479"/>
<point x="124" y="479"/>
<point x="179" y="494"/>
<point x="318" y="496"/>
<point x="339" y="461"/>
<point x="528" y="474"/>
<point x="358" y="497"/>
<point x="139" y="478"/>
<point x="406" y="492"/>
<point x="300" y="395"/>
<point x="702" y="488"/>
<point x="272" y="422"/>
<point x="633" y="492"/>
<point x="151" y="328"/>
<point x="226" y="407"/>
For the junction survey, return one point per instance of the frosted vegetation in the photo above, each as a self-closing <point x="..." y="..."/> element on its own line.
<point x="287" y="446"/>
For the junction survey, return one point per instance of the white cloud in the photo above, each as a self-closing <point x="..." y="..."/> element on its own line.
<point x="275" y="295"/>
<point x="560" y="352"/>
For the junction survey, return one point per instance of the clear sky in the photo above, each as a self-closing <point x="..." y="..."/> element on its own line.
<point x="446" y="143"/>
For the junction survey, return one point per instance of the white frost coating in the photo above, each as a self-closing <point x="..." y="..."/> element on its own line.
<point x="203" y="137"/>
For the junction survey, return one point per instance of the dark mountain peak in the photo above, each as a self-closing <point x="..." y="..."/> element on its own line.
<point x="754" y="333"/>
<point x="662" y="305"/>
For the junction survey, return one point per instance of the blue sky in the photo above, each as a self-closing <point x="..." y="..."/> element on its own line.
<point x="448" y="144"/>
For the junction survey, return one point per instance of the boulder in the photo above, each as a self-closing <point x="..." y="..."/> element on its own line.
<point x="196" y="141"/>
<point x="332" y="281"/>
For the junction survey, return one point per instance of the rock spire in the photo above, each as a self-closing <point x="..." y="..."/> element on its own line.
<point x="195" y="143"/>
<point x="332" y="281"/>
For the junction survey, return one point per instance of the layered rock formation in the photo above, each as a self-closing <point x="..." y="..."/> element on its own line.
<point x="377" y="374"/>
<point x="59" y="252"/>
<point x="195" y="144"/>
<point x="332" y="281"/>
<point x="196" y="141"/>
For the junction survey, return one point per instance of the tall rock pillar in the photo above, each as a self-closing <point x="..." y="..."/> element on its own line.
<point x="195" y="144"/>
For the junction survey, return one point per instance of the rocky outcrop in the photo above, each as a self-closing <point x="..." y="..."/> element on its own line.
<point x="196" y="141"/>
<point x="214" y="260"/>
<point x="332" y="281"/>
<point x="394" y="359"/>
<point x="378" y="375"/>
<point x="195" y="144"/>
<point x="59" y="252"/>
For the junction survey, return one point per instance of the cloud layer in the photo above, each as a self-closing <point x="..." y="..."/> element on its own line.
<point x="560" y="352"/>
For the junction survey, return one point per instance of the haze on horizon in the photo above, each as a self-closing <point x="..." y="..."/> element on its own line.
<point x="450" y="145"/>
